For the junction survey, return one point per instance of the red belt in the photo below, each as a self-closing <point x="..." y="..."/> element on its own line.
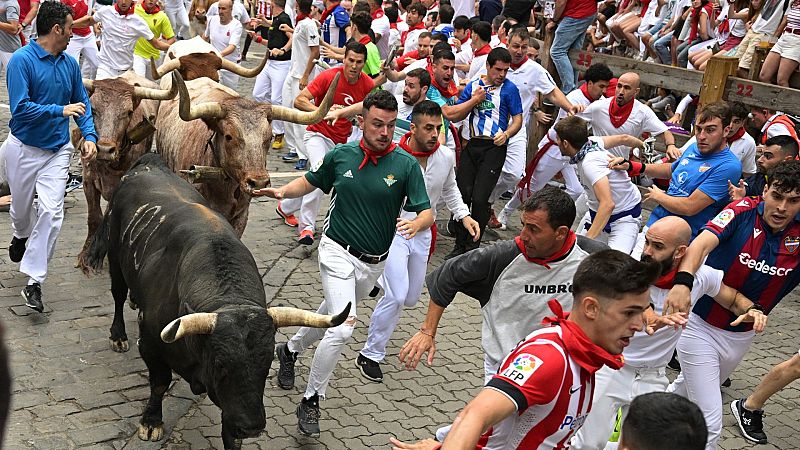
<point x="792" y="30"/>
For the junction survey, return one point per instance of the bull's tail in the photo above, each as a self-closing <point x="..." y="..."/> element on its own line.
<point x="98" y="248"/>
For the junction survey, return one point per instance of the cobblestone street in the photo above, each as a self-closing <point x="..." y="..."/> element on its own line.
<point x="71" y="390"/>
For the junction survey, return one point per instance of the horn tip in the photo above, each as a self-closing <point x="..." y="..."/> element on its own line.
<point x="342" y="316"/>
<point x="170" y="333"/>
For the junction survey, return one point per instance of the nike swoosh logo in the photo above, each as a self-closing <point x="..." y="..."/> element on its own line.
<point x="574" y="390"/>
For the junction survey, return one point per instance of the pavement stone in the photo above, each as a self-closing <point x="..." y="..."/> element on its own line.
<point x="71" y="391"/>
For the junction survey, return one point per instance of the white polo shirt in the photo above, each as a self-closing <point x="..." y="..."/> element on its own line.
<point x="641" y="120"/>
<point x="594" y="167"/>
<point x="221" y="36"/>
<point x="119" y="36"/>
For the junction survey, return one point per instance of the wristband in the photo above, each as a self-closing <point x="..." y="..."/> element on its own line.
<point x="259" y="39"/>
<point x="430" y="335"/>
<point x="684" y="279"/>
<point x="635" y="168"/>
<point x="755" y="306"/>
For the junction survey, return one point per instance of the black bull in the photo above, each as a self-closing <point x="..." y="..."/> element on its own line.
<point x="202" y="307"/>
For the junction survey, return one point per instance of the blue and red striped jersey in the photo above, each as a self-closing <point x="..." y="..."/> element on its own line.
<point x="760" y="264"/>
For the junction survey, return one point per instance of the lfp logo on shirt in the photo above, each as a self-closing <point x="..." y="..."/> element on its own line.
<point x="522" y="368"/>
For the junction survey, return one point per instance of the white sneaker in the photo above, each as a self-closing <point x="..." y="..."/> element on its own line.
<point x="503" y="218"/>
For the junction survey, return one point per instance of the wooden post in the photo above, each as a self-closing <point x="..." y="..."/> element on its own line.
<point x="761" y="52"/>
<point x="718" y="69"/>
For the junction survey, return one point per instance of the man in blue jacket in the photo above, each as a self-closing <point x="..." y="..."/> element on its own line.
<point x="44" y="89"/>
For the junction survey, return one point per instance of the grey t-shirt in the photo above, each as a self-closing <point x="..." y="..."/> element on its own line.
<point x="9" y="10"/>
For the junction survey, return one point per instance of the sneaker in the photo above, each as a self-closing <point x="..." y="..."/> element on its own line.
<point x="502" y="218"/>
<point x="302" y="164"/>
<point x="286" y="359"/>
<point x="375" y="291"/>
<point x="493" y="222"/>
<point x="308" y="416"/>
<point x="290" y="156"/>
<point x="278" y="142"/>
<point x="16" y="250"/>
<point x="306" y="237"/>
<point x="750" y="422"/>
<point x="506" y="195"/>
<point x="74" y="182"/>
<point x="288" y="219"/>
<point x="33" y="297"/>
<point x="370" y="369"/>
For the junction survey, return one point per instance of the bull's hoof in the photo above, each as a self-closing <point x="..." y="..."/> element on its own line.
<point x="119" y="345"/>
<point x="151" y="433"/>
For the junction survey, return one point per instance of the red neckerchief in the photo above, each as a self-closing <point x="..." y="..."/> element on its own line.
<point x="450" y="91"/>
<point x="365" y="39"/>
<point x="645" y="4"/>
<point x="483" y="51"/>
<point x="371" y="155"/>
<point x="586" y="353"/>
<point x="736" y="136"/>
<point x="585" y="89"/>
<point x="327" y="12"/>
<point x="154" y="10"/>
<point x="569" y="242"/>
<point x="393" y="26"/>
<point x="123" y="14"/>
<point x="619" y="114"/>
<point x="377" y="14"/>
<point x="668" y="280"/>
<point x="405" y="146"/>
<point x="696" y="20"/>
<point x="517" y="66"/>
<point x="301" y="16"/>
<point x="404" y="34"/>
<point x="435" y="5"/>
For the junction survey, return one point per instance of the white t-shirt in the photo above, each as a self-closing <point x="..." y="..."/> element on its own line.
<point x="239" y="12"/>
<point x="744" y="148"/>
<point x="221" y="36"/>
<point x="655" y="351"/>
<point x="306" y="35"/>
<point x="575" y="97"/>
<point x="463" y="8"/>
<point x="119" y="36"/>
<point x="594" y="167"/>
<point x="641" y="120"/>
<point x="531" y="79"/>
<point x="381" y="26"/>
<point x="464" y="56"/>
<point x="477" y="65"/>
<point x="411" y="40"/>
<point x="771" y="14"/>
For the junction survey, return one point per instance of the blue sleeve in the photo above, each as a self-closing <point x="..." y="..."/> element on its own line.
<point x="342" y="19"/>
<point x="18" y="75"/>
<point x="716" y="185"/>
<point x="79" y="94"/>
<point x="466" y="94"/>
<point x="515" y="102"/>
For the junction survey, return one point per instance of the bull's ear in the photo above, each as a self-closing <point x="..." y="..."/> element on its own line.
<point x="190" y="324"/>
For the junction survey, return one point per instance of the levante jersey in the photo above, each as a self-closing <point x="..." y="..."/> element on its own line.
<point x="760" y="264"/>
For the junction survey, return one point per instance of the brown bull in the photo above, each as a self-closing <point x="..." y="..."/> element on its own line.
<point x="227" y="131"/>
<point x="197" y="16"/>
<point x="123" y="110"/>
<point x="195" y="58"/>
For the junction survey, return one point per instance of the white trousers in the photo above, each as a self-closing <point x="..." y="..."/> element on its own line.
<point x="623" y="235"/>
<point x="401" y="281"/>
<point x="708" y="355"/>
<point x="317" y="146"/>
<point x="178" y="17"/>
<point x="614" y="389"/>
<point x="30" y="171"/>
<point x="105" y="72"/>
<point x="87" y="47"/>
<point x="345" y="280"/>
<point x="269" y="87"/>
<point x="545" y="170"/>
<point x="228" y="78"/>
<point x="513" y="167"/>
<point x="141" y="66"/>
<point x="293" y="132"/>
<point x="5" y="57"/>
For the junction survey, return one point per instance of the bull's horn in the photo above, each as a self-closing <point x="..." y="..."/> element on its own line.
<point x="196" y="323"/>
<point x="288" y="317"/>
<point x="306" y="118"/>
<point x="242" y="71"/>
<point x="165" y="68"/>
<point x="189" y="112"/>
<point x="89" y="85"/>
<point x="155" y="94"/>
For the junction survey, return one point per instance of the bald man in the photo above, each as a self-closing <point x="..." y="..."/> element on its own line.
<point x="623" y="114"/>
<point x="649" y="351"/>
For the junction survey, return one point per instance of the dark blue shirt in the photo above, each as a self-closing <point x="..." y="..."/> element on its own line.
<point x="39" y="85"/>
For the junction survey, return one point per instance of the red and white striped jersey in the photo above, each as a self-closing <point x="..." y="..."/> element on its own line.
<point x="552" y="392"/>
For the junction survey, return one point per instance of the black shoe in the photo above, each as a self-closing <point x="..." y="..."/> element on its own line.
<point x="506" y="195"/>
<point x="726" y="383"/>
<point x="286" y="369"/>
<point x="33" y="297"/>
<point x="457" y="251"/>
<point x="375" y="291"/>
<point x="673" y="363"/>
<point x="308" y="416"/>
<point x="16" y="250"/>
<point x="750" y="422"/>
<point x="370" y="369"/>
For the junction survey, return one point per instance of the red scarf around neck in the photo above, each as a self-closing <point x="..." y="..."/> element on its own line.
<point x="517" y="66"/>
<point x="482" y="51"/>
<point x="154" y="10"/>
<point x="405" y="145"/>
<point x="695" y="20"/>
<point x="619" y="114"/>
<point x="668" y="280"/>
<point x="301" y="16"/>
<point x="377" y="14"/>
<point x="569" y="242"/>
<point x="585" y="89"/>
<point x="126" y="13"/>
<point x="365" y="39"/>
<point x="738" y="135"/>
<point x="371" y="155"/>
<point x="328" y="11"/>
<point x="645" y="4"/>
<point x="449" y="91"/>
<point x="586" y="353"/>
